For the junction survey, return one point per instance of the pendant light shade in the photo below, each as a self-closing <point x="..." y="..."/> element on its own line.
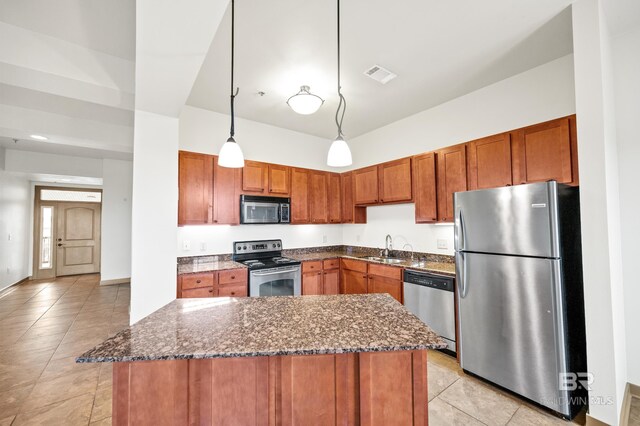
<point x="339" y="153"/>
<point x="230" y="153"/>
<point x="305" y="102"/>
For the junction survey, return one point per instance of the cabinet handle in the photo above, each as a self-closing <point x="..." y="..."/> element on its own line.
<point x="211" y="291"/>
<point x="233" y="293"/>
<point x="198" y="281"/>
<point x="233" y="277"/>
<point x="364" y="276"/>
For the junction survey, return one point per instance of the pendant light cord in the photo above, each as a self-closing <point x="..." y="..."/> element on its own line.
<point x="233" y="95"/>
<point x="342" y="105"/>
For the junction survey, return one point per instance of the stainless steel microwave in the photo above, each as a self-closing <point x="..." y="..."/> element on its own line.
<point x="258" y="209"/>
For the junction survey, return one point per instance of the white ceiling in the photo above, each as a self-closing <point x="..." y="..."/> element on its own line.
<point x="439" y="49"/>
<point x="106" y="26"/>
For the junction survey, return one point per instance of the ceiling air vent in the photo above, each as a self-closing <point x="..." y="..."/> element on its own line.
<point x="379" y="74"/>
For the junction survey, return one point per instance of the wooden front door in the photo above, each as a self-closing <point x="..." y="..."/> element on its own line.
<point x="78" y="238"/>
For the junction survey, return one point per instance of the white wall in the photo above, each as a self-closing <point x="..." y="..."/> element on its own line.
<point x="15" y="204"/>
<point x="154" y="213"/>
<point x="600" y="211"/>
<point x="62" y="165"/>
<point x="537" y="95"/>
<point x="116" y="220"/>
<point x="205" y="131"/>
<point x="626" y="62"/>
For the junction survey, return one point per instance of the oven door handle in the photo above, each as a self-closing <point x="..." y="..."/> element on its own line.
<point x="265" y="274"/>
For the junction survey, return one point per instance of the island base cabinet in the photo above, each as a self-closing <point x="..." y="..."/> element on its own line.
<point x="374" y="388"/>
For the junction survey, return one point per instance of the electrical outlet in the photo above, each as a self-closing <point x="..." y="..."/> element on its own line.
<point x="324" y="238"/>
<point x="358" y="238"/>
<point x="442" y="244"/>
<point x="9" y="236"/>
<point x="203" y="246"/>
<point x="186" y="245"/>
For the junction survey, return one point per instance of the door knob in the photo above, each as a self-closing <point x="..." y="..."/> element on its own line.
<point x="59" y="245"/>
<point x="59" y="239"/>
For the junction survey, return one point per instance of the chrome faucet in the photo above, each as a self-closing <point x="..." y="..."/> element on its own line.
<point x="388" y="245"/>
<point x="405" y="246"/>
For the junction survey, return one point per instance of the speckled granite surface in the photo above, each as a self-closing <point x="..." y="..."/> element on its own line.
<point x="200" y="266"/>
<point x="267" y="326"/>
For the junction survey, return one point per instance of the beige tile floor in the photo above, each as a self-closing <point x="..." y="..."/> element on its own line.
<point x="45" y="324"/>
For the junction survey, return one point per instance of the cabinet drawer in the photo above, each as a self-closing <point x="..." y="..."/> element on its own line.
<point x="313" y="266"/>
<point x="198" y="292"/>
<point x="233" y="290"/>
<point x="232" y="276"/>
<point x="331" y="264"/>
<point x="190" y="281"/>
<point x="355" y="265"/>
<point x="392" y="272"/>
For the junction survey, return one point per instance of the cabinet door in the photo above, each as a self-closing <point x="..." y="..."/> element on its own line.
<point x="318" y="198"/>
<point x="195" y="188"/>
<point x="377" y="284"/>
<point x="544" y="152"/>
<point x="233" y="290"/>
<point x="353" y="282"/>
<point x="255" y="177"/>
<point x="335" y="203"/>
<point x="312" y="283"/>
<point x="346" y="190"/>
<point x="395" y="181"/>
<point x="299" y="196"/>
<point x="424" y="184"/>
<point x="226" y="194"/>
<point x="490" y="162"/>
<point x="452" y="177"/>
<point x="365" y="185"/>
<point x="279" y="180"/>
<point x="331" y="282"/>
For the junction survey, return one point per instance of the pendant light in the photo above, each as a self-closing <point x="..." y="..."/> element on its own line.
<point x="304" y="102"/>
<point x="339" y="152"/>
<point x="230" y="153"/>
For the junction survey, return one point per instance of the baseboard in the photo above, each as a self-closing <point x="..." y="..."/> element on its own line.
<point x="595" y="422"/>
<point x="631" y="391"/>
<point x="9" y="288"/>
<point x="116" y="281"/>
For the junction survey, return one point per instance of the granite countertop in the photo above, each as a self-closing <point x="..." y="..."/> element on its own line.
<point x="446" y="268"/>
<point x="209" y="266"/>
<point x="268" y="326"/>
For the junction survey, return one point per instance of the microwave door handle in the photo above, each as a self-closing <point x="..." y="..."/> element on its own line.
<point x="265" y="274"/>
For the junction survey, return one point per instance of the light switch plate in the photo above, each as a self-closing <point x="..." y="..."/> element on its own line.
<point x="324" y="238"/>
<point x="203" y="246"/>
<point x="442" y="244"/>
<point x="186" y="245"/>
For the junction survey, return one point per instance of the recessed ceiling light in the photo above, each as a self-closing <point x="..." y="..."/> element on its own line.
<point x="38" y="137"/>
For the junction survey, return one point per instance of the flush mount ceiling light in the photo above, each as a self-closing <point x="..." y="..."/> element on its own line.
<point x="305" y="102"/>
<point x="230" y="153"/>
<point x="339" y="152"/>
<point x="39" y="138"/>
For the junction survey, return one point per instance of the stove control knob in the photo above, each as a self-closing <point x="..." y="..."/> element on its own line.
<point x="244" y="247"/>
<point x="274" y="246"/>
<point x="278" y="244"/>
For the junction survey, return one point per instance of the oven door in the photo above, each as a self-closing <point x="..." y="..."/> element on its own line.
<point x="256" y="212"/>
<point x="283" y="281"/>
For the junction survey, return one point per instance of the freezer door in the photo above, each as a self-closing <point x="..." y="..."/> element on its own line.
<point x="517" y="220"/>
<point x="512" y="325"/>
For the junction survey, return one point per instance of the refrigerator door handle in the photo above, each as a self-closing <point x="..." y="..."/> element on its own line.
<point x="461" y="275"/>
<point x="459" y="232"/>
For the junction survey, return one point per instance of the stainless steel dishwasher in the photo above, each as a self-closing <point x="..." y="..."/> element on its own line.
<point x="430" y="297"/>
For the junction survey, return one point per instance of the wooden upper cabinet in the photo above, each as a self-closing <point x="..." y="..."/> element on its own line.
<point x="318" y="197"/>
<point x="335" y="200"/>
<point x="195" y="187"/>
<point x="279" y="180"/>
<point x="300" y="196"/>
<point x="255" y="177"/>
<point x="346" y="189"/>
<point x="226" y="194"/>
<point x="546" y="151"/>
<point x="489" y="161"/>
<point x="395" y="181"/>
<point x="365" y="185"/>
<point x="424" y="188"/>
<point x="451" y="177"/>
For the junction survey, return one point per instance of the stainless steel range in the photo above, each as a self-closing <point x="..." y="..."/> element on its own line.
<point x="270" y="274"/>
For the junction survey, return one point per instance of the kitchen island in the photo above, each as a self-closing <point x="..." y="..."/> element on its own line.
<point x="345" y="359"/>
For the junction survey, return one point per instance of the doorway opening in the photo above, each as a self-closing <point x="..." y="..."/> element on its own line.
<point x="67" y="231"/>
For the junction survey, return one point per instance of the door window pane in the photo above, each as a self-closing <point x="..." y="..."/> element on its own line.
<point x="75" y="196"/>
<point x="46" y="237"/>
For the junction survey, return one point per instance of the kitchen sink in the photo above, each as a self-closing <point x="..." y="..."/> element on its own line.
<point x="390" y="260"/>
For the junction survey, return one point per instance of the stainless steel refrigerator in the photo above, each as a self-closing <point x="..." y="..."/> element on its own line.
<point x="519" y="291"/>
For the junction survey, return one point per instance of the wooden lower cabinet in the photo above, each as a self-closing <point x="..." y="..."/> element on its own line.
<point x="331" y="281"/>
<point x="225" y="283"/>
<point x="376" y="284"/>
<point x="312" y="283"/>
<point x="321" y="277"/>
<point x="353" y="277"/>
<point x="374" y="388"/>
